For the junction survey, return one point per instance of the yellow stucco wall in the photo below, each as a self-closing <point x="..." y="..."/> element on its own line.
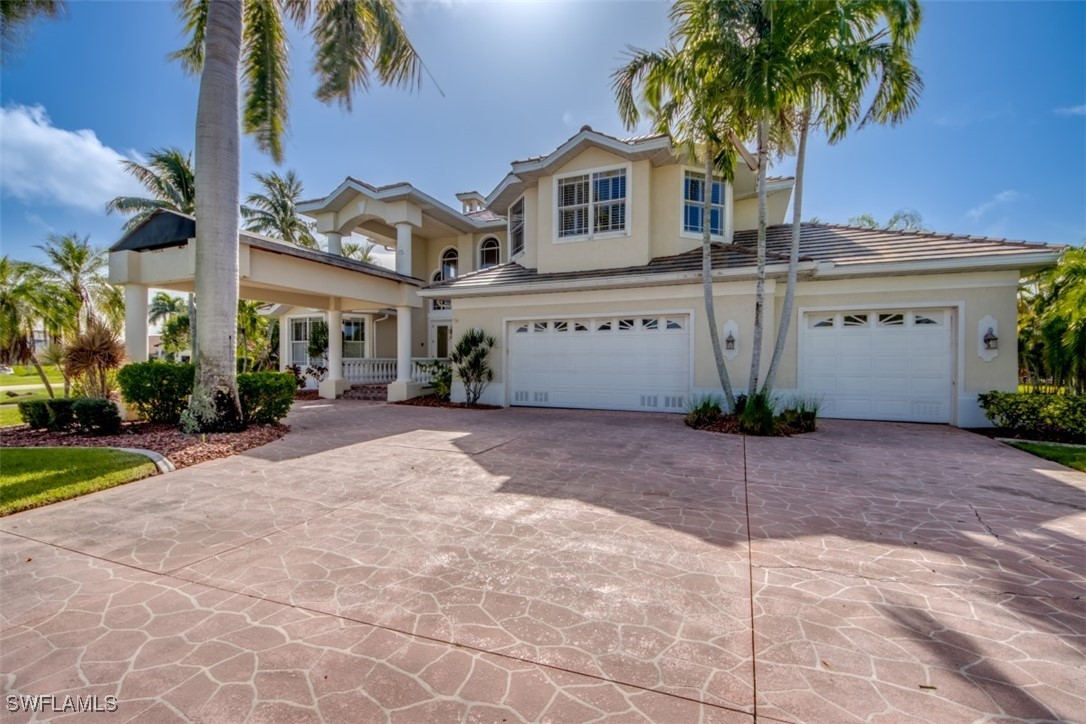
<point x="745" y="213"/>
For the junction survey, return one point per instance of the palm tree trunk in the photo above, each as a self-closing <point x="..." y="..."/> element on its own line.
<point x="214" y="404"/>
<point x="707" y="279"/>
<point x="194" y="355"/>
<point x="41" y="373"/>
<point x="759" y="289"/>
<point x="793" y="254"/>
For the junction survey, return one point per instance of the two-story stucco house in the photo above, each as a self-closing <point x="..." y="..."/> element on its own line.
<point x="585" y="265"/>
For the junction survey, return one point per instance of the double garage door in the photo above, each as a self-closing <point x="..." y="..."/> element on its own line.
<point x="879" y="365"/>
<point x="867" y="365"/>
<point x="615" y="362"/>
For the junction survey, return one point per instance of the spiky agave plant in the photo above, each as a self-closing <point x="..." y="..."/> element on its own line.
<point x="92" y="355"/>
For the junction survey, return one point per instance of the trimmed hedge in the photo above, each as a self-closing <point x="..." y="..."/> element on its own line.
<point x="159" y="390"/>
<point x="97" y="416"/>
<point x="1059" y="418"/>
<point x="61" y="414"/>
<point x="266" y="397"/>
<point x="35" y="414"/>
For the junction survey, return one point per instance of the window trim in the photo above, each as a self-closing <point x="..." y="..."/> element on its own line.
<point x="523" y="227"/>
<point x="726" y="191"/>
<point x="590" y="236"/>
<point x="479" y="251"/>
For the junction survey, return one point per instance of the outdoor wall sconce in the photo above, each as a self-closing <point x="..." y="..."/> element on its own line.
<point x="988" y="338"/>
<point x="731" y="339"/>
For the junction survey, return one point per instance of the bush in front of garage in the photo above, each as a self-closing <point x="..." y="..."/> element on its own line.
<point x="1037" y="416"/>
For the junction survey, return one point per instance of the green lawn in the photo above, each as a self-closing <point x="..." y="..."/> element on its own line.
<point x="1072" y="457"/>
<point x="9" y="415"/>
<point x="27" y="375"/>
<point x="34" y="476"/>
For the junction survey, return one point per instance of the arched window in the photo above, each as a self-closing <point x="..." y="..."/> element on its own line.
<point x="450" y="259"/>
<point x="438" y="304"/>
<point x="490" y="252"/>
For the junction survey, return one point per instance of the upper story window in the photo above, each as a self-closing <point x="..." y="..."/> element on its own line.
<point x="516" y="227"/>
<point x="449" y="260"/>
<point x="592" y="203"/>
<point x="694" y="200"/>
<point x="490" y="253"/>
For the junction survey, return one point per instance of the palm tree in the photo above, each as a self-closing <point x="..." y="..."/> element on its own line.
<point x="27" y="301"/>
<point x="80" y="269"/>
<point x="1059" y="309"/>
<point x="356" y="41"/>
<point x="164" y="307"/>
<point x="902" y="220"/>
<point x="16" y="16"/>
<point x="252" y="331"/>
<point x="170" y="180"/>
<point x="360" y="252"/>
<point x="275" y="212"/>
<point x="837" y="50"/>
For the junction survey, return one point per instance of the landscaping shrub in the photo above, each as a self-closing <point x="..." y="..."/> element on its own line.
<point x="1059" y="418"/>
<point x="469" y="357"/>
<point x="758" y="415"/>
<point x="440" y="378"/>
<point x="159" y="390"/>
<point x="61" y="414"/>
<point x="702" y="411"/>
<point x="96" y="416"/>
<point x="266" y="397"/>
<point x="35" y="413"/>
<point x="801" y="415"/>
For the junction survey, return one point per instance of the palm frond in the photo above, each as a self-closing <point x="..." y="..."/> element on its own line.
<point x="266" y="75"/>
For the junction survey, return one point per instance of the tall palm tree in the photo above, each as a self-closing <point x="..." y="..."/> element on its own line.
<point x="15" y="19"/>
<point x="252" y="331"/>
<point x="28" y="301"/>
<point x="170" y="180"/>
<point x="275" y="211"/>
<point x="164" y="307"/>
<point x="838" y="50"/>
<point x="1059" y="305"/>
<point x="356" y="41"/>
<point x="80" y="269"/>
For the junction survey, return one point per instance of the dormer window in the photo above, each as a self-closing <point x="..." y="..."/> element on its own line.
<point x="693" y="204"/>
<point x="591" y="203"/>
<point x="516" y="227"/>
<point x="490" y="252"/>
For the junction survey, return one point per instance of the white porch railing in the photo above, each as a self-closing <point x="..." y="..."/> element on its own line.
<point x="382" y="370"/>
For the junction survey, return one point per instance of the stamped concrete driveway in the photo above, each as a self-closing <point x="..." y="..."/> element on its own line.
<point x="444" y="565"/>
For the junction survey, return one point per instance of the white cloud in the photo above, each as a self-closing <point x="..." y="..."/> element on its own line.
<point x="50" y="165"/>
<point x="568" y="119"/>
<point x="1072" y="111"/>
<point x="1003" y="197"/>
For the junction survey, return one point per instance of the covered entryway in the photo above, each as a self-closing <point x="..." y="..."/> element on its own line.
<point x="879" y="364"/>
<point x="612" y="362"/>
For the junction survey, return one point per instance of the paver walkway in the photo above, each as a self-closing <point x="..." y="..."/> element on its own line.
<point x="445" y="565"/>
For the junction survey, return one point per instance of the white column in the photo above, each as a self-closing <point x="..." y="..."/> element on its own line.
<point x="335" y="344"/>
<point x="284" y="344"/>
<point x="403" y="249"/>
<point x="135" y="322"/>
<point x="335" y="243"/>
<point x="403" y="344"/>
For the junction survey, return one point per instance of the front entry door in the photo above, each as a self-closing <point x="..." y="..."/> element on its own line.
<point x="440" y="334"/>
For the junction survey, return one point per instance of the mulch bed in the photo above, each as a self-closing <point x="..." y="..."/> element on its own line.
<point x="729" y="425"/>
<point x="435" y="401"/>
<point x="182" y="450"/>
<point x="307" y="395"/>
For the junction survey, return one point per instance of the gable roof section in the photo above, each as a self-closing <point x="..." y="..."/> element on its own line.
<point x="165" y="229"/>
<point x="656" y="148"/>
<point x="825" y="249"/>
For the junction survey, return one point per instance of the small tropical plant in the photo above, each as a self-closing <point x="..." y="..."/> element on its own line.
<point x="92" y="356"/>
<point x="758" y="416"/>
<point x="470" y="361"/>
<point x="703" y="410"/>
<point x="441" y="375"/>
<point x="800" y="415"/>
<point x="318" y="351"/>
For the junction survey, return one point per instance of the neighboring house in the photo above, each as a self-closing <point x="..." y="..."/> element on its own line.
<point x="585" y="265"/>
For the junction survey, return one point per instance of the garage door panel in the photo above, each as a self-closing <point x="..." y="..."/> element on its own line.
<point x="892" y="371"/>
<point x="618" y="362"/>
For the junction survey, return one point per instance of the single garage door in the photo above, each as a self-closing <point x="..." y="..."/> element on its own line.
<point x="620" y="362"/>
<point x="879" y="365"/>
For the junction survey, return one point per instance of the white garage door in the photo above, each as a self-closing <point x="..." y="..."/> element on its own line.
<point x="615" y="362"/>
<point x="879" y="365"/>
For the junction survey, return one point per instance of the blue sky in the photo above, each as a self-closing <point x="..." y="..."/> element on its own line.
<point x="997" y="146"/>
